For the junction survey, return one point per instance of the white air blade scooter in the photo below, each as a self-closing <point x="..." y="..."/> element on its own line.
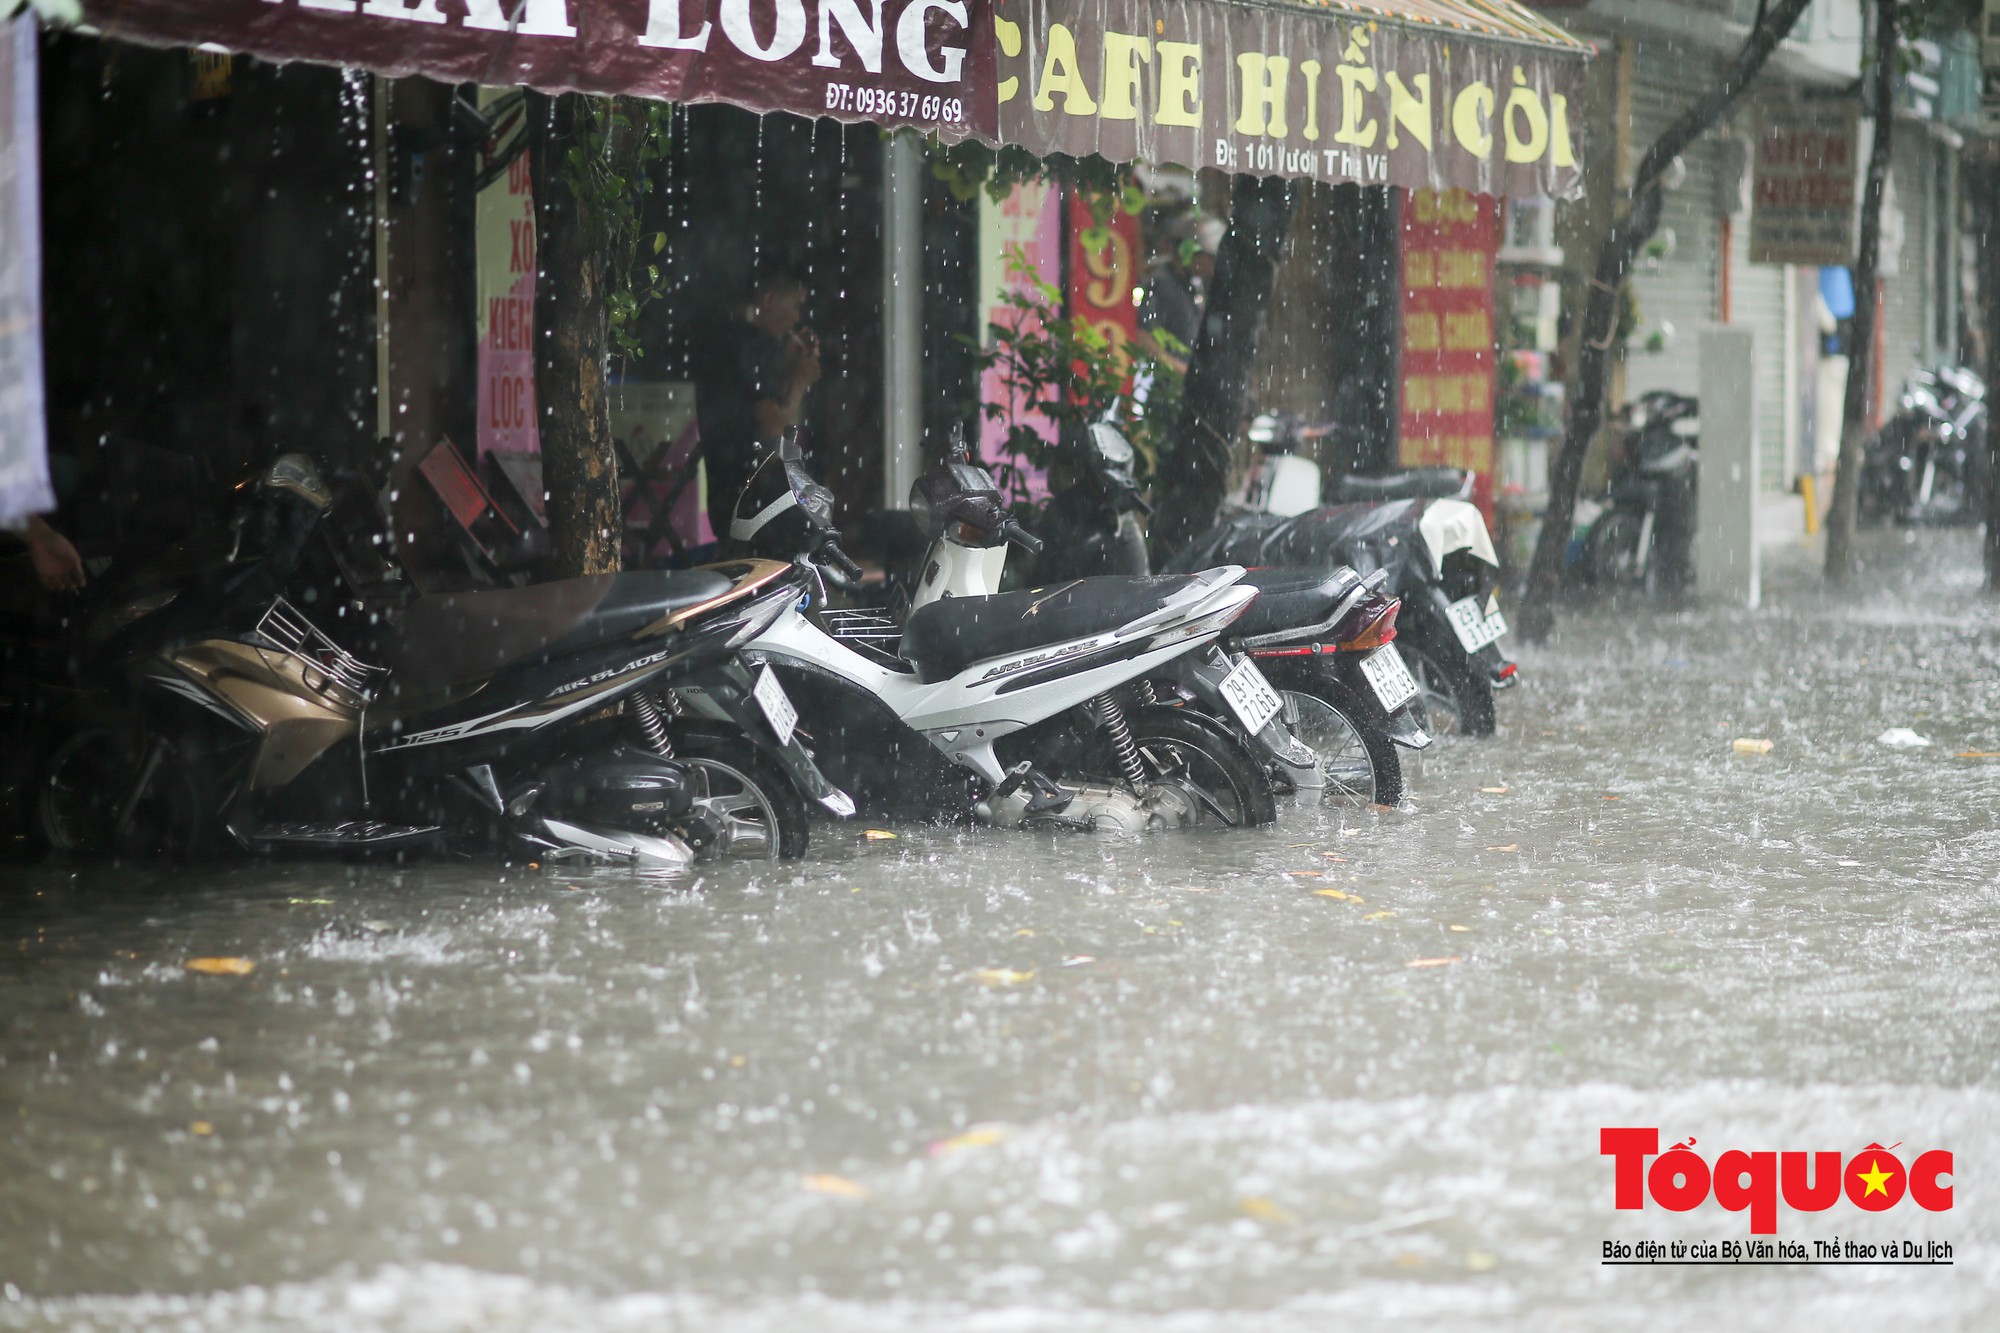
<point x="971" y="674"/>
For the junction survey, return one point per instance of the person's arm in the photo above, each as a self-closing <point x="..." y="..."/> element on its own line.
<point x="57" y="564"/>
<point x="777" y="415"/>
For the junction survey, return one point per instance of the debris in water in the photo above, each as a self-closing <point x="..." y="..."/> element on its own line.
<point x="1435" y="962"/>
<point x="879" y="835"/>
<point x="1382" y="915"/>
<point x="1977" y="754"/>
<point x="221" y="967"/>
<point x="836" y="1185"/>
<point x="1496" y="791"/>
<point x="1750" y="745"/>
<point x="1078" y="960"/>
<point x="1264" y="1210"/>
<point x="1902" y="738"/>
<point x="1462" y="930"/>
<point x="1003" y="976"/>
<point x="979" y="1136"/>
<point x="1336" y="895"/>
<point x="201" y="1128"/>
<point x="1305" y="874"/>
<point x="1506" y="847"/>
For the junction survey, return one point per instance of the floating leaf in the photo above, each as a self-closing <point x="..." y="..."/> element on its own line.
<point x="1495" y="791"/>
<point x="1305" y="874"/>
<point x="1435" y="962"/>
<point x="1506" y="847"/>
<point x="1978" y="754"/>
<point x="1003" y="976"/>
<point x="1264" y="1210"/>
<point x="1334" y="894"/>
<point x="201" y="1128"/>
<point x="1462" y="930"/>
<point x="221" y="967"/>
<point x="1378" y="916"/>
<point x="1078" y="960"/>
<point x="1334" y="856"/>
<point x="879" y="835"/>
<point x="1750" y="745"/>
<point x="1024" y="934"/>
<point x="1611" y="798"/>
<point x="836" y="1185"/>
<point x="979" y="1136"/>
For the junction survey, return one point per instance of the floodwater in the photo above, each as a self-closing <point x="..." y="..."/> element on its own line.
<point x="1007" y="1082"/>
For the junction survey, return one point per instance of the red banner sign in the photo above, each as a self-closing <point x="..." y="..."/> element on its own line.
<point x="1450" y="240"/>
<point x="926" y="63"/>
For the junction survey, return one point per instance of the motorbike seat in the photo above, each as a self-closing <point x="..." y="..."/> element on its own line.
<point x="1293" y="599"/>
<point x="1422" y="483"/>
<point x="447" y="645"/>
<point x="945" y="637"/>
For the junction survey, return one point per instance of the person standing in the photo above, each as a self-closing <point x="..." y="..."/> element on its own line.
<point x="751" y="380"/>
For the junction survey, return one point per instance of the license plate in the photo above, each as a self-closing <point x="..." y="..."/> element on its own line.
<point x="1250" y="696"/>
<point x="777" y="705"/>
<point x="1476" y="626"/>
<point x="1388" y="677"/>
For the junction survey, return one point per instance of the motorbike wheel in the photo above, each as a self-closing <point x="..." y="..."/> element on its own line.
<point x="1456" y="696"/>
<point x="1611" y="551"/>
<point x="1358" y="764"/>
<point x="745" y="808"/>
<point x="1176" y="745"/>
<point x="85" y="785"/>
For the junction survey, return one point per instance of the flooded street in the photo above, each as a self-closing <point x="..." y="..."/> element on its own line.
<point x="1351" y="1069"/>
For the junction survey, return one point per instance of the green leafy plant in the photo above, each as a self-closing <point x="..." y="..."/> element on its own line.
<point x="608" y="169"/>
<point x="1065" y="370"/>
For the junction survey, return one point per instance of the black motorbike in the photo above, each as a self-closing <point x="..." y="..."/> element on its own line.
<point x="279" y="687"/>
<point x="1414" y="526"/>
<point x="1929" y="464"/>
<point x="1644" y="537"/>
<point x="1315" y="630"/>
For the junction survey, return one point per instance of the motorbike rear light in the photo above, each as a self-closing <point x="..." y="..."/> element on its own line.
<point x="1506" y="672"/>
<point x="1306" y="651"/>
<point x="1378" y="626"/>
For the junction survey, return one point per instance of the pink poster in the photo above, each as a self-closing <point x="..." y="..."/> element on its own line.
<point x="506" y="286"/>
<point x="1025" y="228"/>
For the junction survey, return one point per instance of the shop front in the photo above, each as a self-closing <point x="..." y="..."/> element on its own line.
<point x="1436" y="108"/>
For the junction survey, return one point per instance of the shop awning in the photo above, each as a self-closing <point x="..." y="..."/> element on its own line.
<point x="1470" y="94"/>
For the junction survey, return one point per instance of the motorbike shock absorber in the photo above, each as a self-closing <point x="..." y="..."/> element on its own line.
<point x="1111" y="716"/>
<point x="652" y="725"/>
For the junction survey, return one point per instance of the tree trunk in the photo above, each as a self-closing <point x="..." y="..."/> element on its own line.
<point x="1193" y="468"/>
<point x="1861" y="350"/>
<point x="1989" y="286"/>
<point x="1600" y="321"/>
<point x="579" y="465"/>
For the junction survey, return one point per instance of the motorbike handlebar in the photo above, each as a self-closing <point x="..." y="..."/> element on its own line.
<point x="1022" y="538"/>
<point x="829" y="551"/>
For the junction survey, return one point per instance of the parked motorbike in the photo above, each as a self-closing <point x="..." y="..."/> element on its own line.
<point x="1030" y="708"/>
<point x="1643" y="537"/>
<point x="1929" y="463"/>
<point x="604" y="717"/>
<point x="1415" y="525"/>
<point x="1322" y="635"/>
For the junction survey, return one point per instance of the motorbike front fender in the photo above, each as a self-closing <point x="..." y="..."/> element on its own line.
<point x="1202" y="674"/>
<point x="728" y="686"/>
